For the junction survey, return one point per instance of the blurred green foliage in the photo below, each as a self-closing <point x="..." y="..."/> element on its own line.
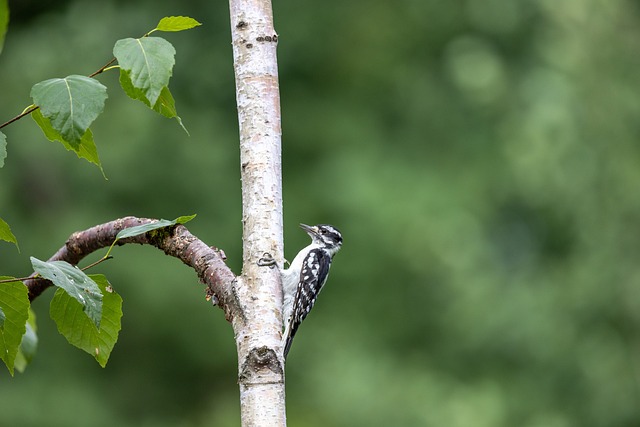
<point x="480" y="157"/>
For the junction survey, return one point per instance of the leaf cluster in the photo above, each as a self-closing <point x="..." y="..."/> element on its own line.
<point x="86" y="308"/>
<point x="64" y="108"/>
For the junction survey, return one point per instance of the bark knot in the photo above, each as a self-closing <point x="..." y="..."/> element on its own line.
<point x="259" y="366"/>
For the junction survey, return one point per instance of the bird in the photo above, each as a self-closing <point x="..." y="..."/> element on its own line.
<point x="306" y="276"/>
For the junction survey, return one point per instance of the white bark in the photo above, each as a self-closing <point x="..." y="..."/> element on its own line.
<point x="259" y="289"/>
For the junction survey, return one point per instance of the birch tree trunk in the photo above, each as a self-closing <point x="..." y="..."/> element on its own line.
<point x="259" y="289"/>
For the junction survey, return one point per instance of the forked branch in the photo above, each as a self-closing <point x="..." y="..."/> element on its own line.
<point x="177" y="241"/>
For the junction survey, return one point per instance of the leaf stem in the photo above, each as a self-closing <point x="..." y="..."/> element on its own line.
<point x="111" y="68"/>
<point x="93" y="264"/>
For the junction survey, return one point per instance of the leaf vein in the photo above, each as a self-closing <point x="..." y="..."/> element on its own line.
<point x="66" y="82"/>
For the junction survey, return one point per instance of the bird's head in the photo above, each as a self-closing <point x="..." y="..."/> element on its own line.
<point x="324" y="235"/>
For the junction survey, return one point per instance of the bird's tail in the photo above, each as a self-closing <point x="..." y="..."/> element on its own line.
<point x="287" y="337"/>
<point x="287" y="347"/>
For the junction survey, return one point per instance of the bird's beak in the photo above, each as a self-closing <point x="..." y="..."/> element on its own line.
<point x="309" y="229"/>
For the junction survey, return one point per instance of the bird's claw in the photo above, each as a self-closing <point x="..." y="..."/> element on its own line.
<point x="267" y="260"/>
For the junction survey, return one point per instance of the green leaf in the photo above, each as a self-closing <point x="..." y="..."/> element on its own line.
<point x="29" y="344"/>
<point x="71" y="104"/>
<point x="77" y="284"/>
<point x="149" y="61"/>
<point x="165" y="104"/>
<point x="14" y="304"/>
<point x="177" y="23"/>
<point x="80" y="331"/>
<point x="86" y="150"/>
<point x="3" y="147"/>
<point x="6" y="234"/>
<point x="145" y="228"/>
<point x="4" y="21"/>
<point x="184" y="219"/>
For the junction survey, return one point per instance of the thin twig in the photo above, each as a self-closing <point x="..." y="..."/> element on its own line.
<point x="18" y="279"/>
<point x="22" y="279"/>
<point x="101" y="69"/>
<point x="19" y="116"/>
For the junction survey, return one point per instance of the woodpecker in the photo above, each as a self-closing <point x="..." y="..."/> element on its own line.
<point x="305" y="277"/>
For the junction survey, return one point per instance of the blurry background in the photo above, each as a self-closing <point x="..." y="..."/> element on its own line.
<point x="481" y="157"/>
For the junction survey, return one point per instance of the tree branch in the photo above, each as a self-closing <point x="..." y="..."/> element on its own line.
<point x="208" y="262"/>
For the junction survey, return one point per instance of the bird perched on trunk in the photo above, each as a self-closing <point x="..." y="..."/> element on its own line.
<point x="305" y="277"/>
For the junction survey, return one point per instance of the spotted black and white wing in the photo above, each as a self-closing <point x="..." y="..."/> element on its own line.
<point x="313" y="276"/>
